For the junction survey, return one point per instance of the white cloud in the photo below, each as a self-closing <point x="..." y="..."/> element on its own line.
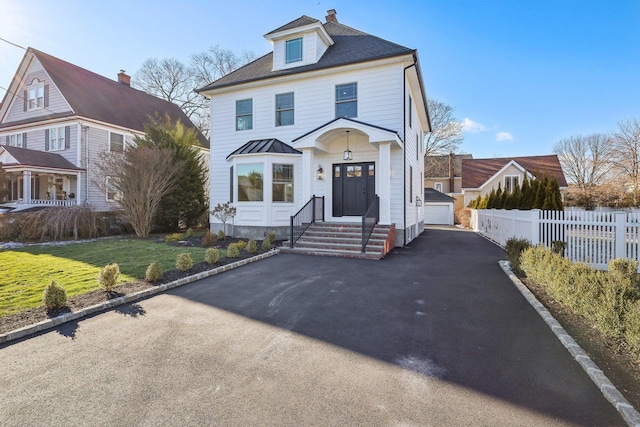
<point x="470" y="126"/>
<point x="504" y="136"/>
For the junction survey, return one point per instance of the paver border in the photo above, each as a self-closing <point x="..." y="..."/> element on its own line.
<point x="75" y="315"/>
<point x="610" y="392"/>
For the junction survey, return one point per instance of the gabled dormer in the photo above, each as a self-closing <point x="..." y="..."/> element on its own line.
<point x="300" y="42"/>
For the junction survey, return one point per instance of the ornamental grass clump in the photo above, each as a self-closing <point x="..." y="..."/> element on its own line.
<point x="208" y="240"/>
<point x="211" y="256"/>
<point x="108" y="276"/>
<point x="252" y="246"/>
<point x="221" y="235"/>
<point x="233" y="251"/>
<point x="266" y="245"/>
<point x="54" y="295"/>
<point x="184" y="262"/>
<point x="189" y="233"/>
<point x="153" y="273"/>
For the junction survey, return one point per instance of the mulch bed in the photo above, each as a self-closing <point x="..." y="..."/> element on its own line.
<point x="28" y="317"/>
<point x="616" y="362"/>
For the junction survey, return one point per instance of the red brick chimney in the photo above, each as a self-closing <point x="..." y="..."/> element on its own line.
<point x="124" y="78"/>
<point x="452" y="173"/>
<point x="331" y="15"/>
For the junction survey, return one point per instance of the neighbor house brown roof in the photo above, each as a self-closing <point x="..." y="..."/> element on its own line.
<point x="26" y="157"/>
<point x="96" y="97"/>
<point x="475" y="172"/>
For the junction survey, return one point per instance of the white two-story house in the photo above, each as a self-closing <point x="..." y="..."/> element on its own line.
<point x="330" y="112"/>
<point x="56" y="118"/>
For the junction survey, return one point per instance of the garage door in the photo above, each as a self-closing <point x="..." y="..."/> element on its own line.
<point x="438" y="214"/>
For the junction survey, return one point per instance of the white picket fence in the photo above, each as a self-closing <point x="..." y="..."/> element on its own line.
<point x="590" y="237"/>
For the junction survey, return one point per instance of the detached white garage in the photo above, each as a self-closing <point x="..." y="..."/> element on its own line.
<point x="438" y="207"/>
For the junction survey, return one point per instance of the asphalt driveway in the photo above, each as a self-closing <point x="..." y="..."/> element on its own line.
<point x="435" y="334"/>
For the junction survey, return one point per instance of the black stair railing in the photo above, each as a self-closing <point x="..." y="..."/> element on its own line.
<point x="369" y="221"/>
<point x="311" y="212"/>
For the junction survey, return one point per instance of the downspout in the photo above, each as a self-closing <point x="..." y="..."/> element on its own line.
<point x="404" y="148"/>
<point x="85" y="132"/>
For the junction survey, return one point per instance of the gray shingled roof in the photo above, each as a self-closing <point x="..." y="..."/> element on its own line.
<point x="27" y="157"/>
<point x="94" y="96"/>
<point x="300" y="22"/>
<point x="432" y="195"/>
<point x="351" y="46"/>
<point x="265" y="146"/>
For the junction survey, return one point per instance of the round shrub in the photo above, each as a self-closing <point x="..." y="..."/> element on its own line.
<point x="514" y="249"/>
<point x="233" y="251"/>
<point x="108" y="276"/>
<point x="189" y="233"/>
<point x="54" y="295"/>
<point x="154" y="272"/>
<point x="211" y="256"/>
<point x="208" y="240"/>
<point x="221" y="235"/>
<point x="272" y="237"/>
<point x="241" y="244"/>
<point x="184" y="262"/>
<point x="266" y="245"/>
<point x="175" y="237"/>
<point x="252" y="246"/>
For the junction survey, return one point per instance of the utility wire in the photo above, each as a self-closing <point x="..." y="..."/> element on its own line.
<point x="22" y="97"/>
<point x="13" y="44"/>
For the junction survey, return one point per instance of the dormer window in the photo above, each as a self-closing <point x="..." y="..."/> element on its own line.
<point x="294" y="50"/>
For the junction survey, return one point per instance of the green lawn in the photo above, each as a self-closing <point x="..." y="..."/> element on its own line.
<point x="26" y="271"/>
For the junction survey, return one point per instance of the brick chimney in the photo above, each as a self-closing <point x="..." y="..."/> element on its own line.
<point x="331" y="15"/>
<point x="452" y="173"/>
<point x="124" y="78"/>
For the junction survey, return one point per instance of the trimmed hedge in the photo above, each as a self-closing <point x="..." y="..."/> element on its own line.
<point x="610" y="300"/>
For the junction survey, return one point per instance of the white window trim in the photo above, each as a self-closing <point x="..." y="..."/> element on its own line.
<point x="36" y="86"/>
<point x="117" y="194"/>
<point x="346" y="101"/>
<point x="286" y="44"/>
<point x="124" y="142"/>
<point x="293" y="108"/>
<point x="438" y="184"/>
<point x="60" y="132"/>
<point x="13" y="140"/>
<point x="243" y="115"/>
<point x="293" y="180"/>
<point x="510" y="178"/>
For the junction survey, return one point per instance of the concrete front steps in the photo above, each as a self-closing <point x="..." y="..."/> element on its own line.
<point x="342" y="240"/>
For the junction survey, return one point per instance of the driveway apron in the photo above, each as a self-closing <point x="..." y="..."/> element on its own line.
<point x="434" y="334"/>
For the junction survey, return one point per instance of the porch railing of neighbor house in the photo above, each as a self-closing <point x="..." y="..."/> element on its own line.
<point x="71" y="202"/>
<point x="369" y="221"/>
<point x="311" y="212"/>
<point x="591" y="237"/>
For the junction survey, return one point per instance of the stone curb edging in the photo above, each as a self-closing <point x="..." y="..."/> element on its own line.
<point x="610" y="392"/>
<point x="67" y="317"/>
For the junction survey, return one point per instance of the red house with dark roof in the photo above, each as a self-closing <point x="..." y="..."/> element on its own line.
<point x="56" y="118"/>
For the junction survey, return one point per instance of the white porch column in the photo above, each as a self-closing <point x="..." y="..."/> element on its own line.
<point x="26" y="186"/>
<point x="384" y="174"/>
<point x="307" y="174"/>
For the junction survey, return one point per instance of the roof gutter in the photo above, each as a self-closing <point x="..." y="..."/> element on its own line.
<point x="404" y="146"/>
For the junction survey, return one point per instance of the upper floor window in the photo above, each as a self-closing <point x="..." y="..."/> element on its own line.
<point x="17" y="140"/>
<point x="35" y="96"/>
<point x="56" y="139"/>
<point x="116" y="142"/>
<point x="347" y="100"/>
<point x="282" y="183"/>
<point x="510" y="183"/>
<point x="284" y="109"/>
<point x="244" y="114"/>
<point x="293" y="50"/>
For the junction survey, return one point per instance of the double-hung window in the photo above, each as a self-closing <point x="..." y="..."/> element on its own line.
<point x="510" y="183"/>
<point x="347" y="100"/>
<point x="284" y="109"/>
<point x="282" y="183"/>
<point x="56" y="139"/>
<point x="244" y="114"/>
<point x="116" y="142"/>
<point x="36" y="97"/>
<point x="293" y="50"/>
<point x="113" y="194"/>
<point x="16" y="140"/>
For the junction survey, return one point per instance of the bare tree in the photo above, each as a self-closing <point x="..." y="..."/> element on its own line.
<point x="626" y="153"/>
<point x="176" y="81"/>
<point x="3" y="183"/>
<point x="446" y="131"/>
<point x="140" y="176"/>
<point x="586" y="160"/>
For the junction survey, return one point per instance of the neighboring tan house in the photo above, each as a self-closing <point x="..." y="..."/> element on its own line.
<point x="480" y="176"/>
<point x="56" y="118"/>
<point x="331" y="112"/>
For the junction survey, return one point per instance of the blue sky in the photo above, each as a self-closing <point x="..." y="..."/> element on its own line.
<point x="520" y="74"/>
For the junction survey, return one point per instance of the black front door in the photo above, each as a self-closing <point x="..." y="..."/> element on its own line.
<point x="354" y="188"/>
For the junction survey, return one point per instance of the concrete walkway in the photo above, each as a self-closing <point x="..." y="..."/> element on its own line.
<point x="435" y="334"/>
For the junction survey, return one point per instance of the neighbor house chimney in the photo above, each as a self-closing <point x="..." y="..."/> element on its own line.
<point x="124" y="78"/>
<point x="331" y="15"/>
<point x="452" y="173"/>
